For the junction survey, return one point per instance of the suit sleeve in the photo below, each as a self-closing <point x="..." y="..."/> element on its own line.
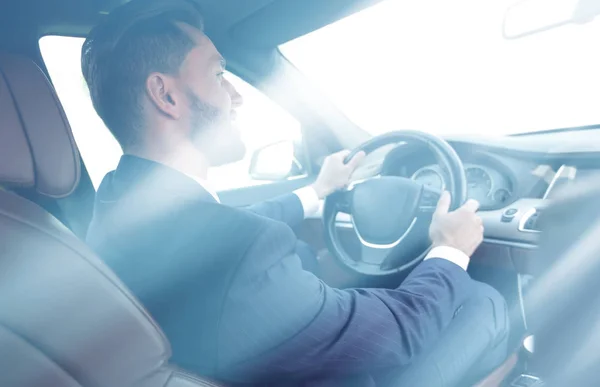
<point x="286" y="208"/>
<point x="281" y="320"/>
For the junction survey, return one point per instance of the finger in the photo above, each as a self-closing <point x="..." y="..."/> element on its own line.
<point x="444" y="203"/>
<point x="342" y="154"/>
<point x="471" y="205"/>
<point x="356" y="160"/>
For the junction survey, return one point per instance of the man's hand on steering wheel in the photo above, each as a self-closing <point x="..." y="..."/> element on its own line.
<point x="461" y="229"/>
<point x="391" y="214"/>
<point x="335" y="173"/>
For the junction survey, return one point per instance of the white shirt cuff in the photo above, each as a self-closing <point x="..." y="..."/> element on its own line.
<point x="451" y="254"/>
<point x="309" y="199"/>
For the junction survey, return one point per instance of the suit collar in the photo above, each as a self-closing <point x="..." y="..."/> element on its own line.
<point x="204" y="184"/>
<point x="138" y="173"/>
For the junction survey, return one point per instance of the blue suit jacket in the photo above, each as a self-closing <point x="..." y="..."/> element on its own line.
<point x="229" y="291"/>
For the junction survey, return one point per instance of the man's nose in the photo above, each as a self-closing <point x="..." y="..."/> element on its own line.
<point x="236" y="98"/>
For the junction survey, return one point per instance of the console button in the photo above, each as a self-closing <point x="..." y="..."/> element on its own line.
<point x="509" y="215"/>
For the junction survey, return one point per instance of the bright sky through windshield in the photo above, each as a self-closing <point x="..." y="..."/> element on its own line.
<point x="443" y="67"/>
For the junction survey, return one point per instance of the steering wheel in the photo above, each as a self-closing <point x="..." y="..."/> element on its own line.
<point x="389" y="214"/>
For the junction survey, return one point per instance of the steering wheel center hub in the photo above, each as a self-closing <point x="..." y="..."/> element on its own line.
<point x="383" y="209"/>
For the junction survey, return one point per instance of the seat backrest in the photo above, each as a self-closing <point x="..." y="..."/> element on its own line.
<point x="65" y="319"/>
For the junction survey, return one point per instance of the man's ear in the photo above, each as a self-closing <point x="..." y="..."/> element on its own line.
<point x="161" y="91"/>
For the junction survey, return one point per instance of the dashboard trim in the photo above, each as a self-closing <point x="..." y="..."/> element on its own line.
<point x="520" y="245"/>
<point x="553" y="181"/>
<point x="382" y="246"/>
<point x="525" y="218"/>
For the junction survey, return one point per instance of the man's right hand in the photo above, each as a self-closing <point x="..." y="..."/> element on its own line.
<point x="461" y="229"/>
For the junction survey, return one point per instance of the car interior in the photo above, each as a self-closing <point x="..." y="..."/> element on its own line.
<point x="56" y="293"/>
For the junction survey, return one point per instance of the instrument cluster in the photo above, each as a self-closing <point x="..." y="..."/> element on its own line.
<point x="485" y="184"/>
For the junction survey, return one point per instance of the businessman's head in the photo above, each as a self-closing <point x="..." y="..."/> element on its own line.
<point x="157" y="81"/>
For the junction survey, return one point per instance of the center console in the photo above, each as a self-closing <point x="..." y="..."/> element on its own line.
<point x="525" y="214"/>
<point x="513" y="232"/>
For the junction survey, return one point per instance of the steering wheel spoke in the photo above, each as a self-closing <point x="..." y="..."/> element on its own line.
<point x="428" y="201"/>
<point x="374" y="256"/>
<point x="388" y="257"/>
<point x="342" y="200"/>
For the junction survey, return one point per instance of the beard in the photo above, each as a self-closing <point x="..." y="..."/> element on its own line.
<point x="213" y="133"/>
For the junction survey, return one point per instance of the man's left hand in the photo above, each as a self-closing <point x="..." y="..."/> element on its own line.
<point x="335" y="174"/>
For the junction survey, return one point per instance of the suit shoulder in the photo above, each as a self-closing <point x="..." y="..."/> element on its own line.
<point x="244" y="226"/>
<point x="215" y="212"/>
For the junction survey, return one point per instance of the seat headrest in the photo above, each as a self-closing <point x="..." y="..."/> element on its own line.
<point x="37" y="149"/>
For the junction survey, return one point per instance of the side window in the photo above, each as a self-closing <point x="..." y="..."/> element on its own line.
<point x="262" y="122"/>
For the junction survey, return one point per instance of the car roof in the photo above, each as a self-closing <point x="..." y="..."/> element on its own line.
<point x="250" y="23"/>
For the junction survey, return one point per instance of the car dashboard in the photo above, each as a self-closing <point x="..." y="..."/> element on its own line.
<point x="486" y="185"/>
<point x="513" y="178"/>
<point x="493" y="180"/>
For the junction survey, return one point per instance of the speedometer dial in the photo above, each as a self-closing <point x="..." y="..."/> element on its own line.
<point x="430" y="178"/>
<point x="479" y="183"/>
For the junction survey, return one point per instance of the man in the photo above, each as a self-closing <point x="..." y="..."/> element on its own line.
<point x="226" y="284"/>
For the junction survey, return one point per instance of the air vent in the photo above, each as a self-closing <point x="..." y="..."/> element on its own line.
<point x="529" y="221"/>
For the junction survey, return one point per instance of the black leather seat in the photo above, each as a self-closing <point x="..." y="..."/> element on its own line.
<point x="65" y="319"/>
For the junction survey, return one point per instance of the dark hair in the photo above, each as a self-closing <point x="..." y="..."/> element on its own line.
<point x="135" y="40"/>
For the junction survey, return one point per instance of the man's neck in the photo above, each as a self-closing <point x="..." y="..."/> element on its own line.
<point x="188" y="161"/>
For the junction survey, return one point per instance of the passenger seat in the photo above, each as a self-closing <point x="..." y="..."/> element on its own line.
<point x="65" y="319"/>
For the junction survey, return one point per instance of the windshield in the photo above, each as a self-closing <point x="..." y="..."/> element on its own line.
<point x="444" y="67"/>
